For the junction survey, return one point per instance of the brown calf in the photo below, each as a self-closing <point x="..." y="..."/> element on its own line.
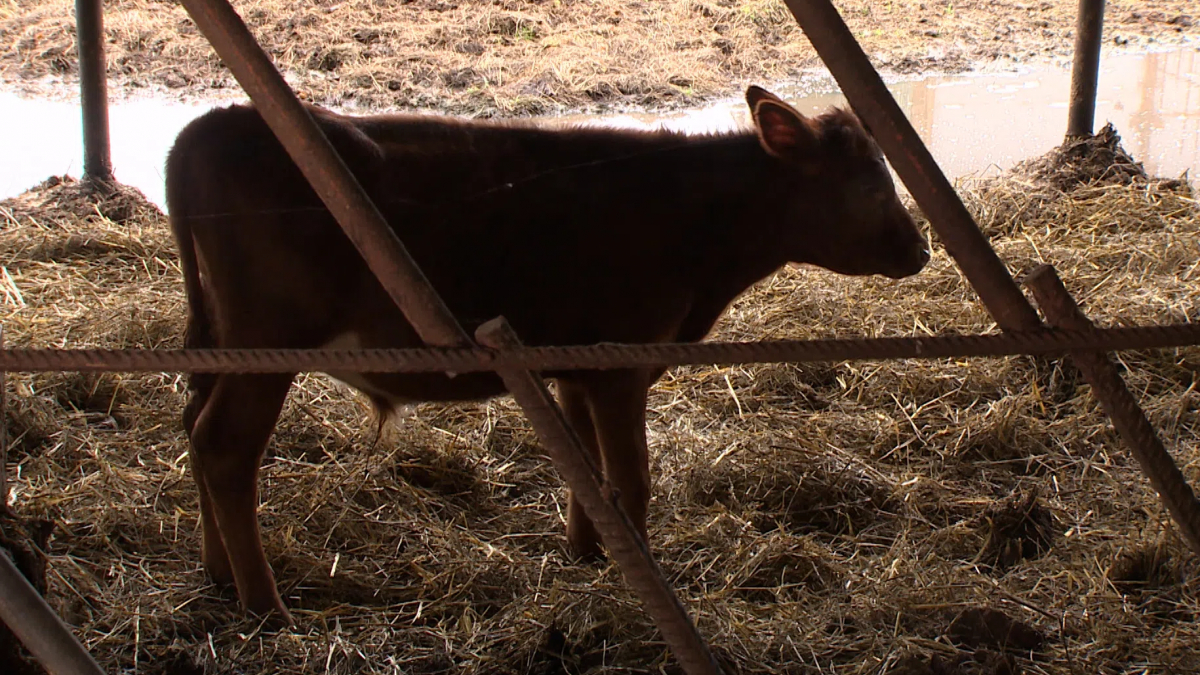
<point x="576" y="236"/>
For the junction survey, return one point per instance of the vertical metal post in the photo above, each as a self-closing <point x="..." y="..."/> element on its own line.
<point x="93" y="91"/>
<point x="1085" y="72"/>
<point x="1127" y="416"/>
<point x="872" y="101"/>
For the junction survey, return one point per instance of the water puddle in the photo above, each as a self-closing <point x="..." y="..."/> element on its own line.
<point x="975" y="124"/>
<point x="982" y="124"/>
<point x="44" y="138"/>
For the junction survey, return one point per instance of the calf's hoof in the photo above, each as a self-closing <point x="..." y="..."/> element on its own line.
<point x="585" y="543"/>
<point x="278" y="619"/>
<point x="270" y="607"/>
<point x="589" y="555"/>
<point x="219" y="572"/>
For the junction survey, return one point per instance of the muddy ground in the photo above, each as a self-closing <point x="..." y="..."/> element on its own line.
<point x="521" y="57"/>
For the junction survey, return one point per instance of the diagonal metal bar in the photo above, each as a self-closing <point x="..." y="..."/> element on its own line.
<point x="599" y="501"/>
<point x="1127" y="416"/>
<point x="874" y="104"/>
<point x="329" y="176"/>
<point x="37" y="626"/>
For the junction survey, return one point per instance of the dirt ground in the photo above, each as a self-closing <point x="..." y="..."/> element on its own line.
<point x="522" y="57"/>
<point x="918" y="517"/>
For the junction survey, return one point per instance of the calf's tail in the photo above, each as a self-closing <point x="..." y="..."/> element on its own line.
<point x="181" y="210"/>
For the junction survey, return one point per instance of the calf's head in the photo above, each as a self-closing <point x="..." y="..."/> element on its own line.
<point x="840" y="203"/>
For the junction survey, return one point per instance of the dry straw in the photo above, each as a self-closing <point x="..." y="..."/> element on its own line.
<point x="816" y="518"/>
<point x="522" y="57"/>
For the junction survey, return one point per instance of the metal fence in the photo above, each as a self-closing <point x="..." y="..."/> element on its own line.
<point x="499" y="349"/>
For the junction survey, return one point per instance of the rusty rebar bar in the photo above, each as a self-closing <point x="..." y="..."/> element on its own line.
<point x="600" y="356"/>
<point x="600" y="503"/>
<point x="93" y="92"/>
<point x="874" y="104"/>
<point x="1085" y="71"/>
<point x="1122" y="408"/>
<point x="46" y="637"/>
<point x="329" y="176"/>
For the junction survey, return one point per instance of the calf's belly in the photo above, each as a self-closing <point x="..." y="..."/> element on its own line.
<point x="396" y="390"/>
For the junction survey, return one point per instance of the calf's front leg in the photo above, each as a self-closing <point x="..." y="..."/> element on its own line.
<point x="582" y="536"/>
<point x="611" y="422"/>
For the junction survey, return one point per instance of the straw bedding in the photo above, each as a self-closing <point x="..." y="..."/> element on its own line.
<point x="535" y="57"/>
<point x="949" y="516"/>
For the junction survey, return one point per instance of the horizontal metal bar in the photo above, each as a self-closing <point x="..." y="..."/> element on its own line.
<point x="601" y="356"/>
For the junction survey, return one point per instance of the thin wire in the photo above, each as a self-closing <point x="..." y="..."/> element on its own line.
<point x="509" y="185"/>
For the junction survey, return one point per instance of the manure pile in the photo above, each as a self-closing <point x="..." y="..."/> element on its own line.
<point x="949" y="516"/>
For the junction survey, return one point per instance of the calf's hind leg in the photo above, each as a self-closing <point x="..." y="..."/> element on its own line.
<point x="212" y="553"/>
<point x="228" y="438"/>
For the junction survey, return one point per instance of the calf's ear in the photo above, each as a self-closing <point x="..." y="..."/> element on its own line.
<point x="782" y="130"/>
<point x="755" y="94"/>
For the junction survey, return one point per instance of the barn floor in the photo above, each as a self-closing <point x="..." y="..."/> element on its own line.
<point x="826" y="518"/>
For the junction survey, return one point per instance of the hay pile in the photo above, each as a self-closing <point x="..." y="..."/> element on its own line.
<point x="1098" y="159"/>
<point x="952" y="516"/>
